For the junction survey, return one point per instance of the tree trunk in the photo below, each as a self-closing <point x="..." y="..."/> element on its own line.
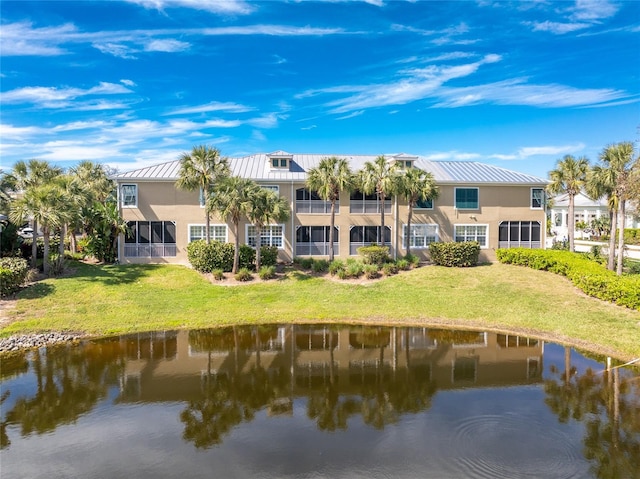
<point x="408" y="245"/>
<point x="572" y="223"/>
<point x="612" y="240"/>
<point x="207" y="223"/>
<point x="34" y="245"/>
<point x="382" y="219"/>
<point x="621" y="237"/>
<point x="45" y="256"/>
<point x="331" y="226"/>
<point x="63" y="233"/>
<point x="258" y="246"/>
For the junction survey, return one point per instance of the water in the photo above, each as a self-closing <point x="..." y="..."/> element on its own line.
<point x="317" y="401"/>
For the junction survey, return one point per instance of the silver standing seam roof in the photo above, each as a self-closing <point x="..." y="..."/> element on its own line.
<point x="258" y="168"/>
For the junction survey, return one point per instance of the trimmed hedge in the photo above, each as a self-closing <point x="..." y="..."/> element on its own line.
<point x="459" y="254"/>
<point x="591" y="277"/>
<point x="13" y="272"/>
<point x="205" y="257"/>
<point x="374" y="254"/>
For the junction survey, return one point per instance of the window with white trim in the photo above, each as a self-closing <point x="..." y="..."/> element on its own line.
<point x="274" y="188"/>
<point x="314" y="240"/>
<point x="270" y="235"/>
<point x="129" y="196"/>
<point x="421" y="235"/>
<point x="519" y="234"/>
<point x="216" y="233"/>
<point x="477" y="233"/>
<point x="467" y="198"/>
<point x="537" y="198"/>
<point x="150" y="239"/>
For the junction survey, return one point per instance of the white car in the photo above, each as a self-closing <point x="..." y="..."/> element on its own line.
<point x="26" y="232"/>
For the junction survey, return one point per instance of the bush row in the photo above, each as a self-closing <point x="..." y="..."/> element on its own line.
<point x="451" y="254"/>
<point x="591" y="277"/>
<point x="13" y="272"/>
<point x="216" y="255"/>
<point x="355" y="268"/>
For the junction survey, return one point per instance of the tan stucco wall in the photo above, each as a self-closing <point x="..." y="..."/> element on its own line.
<point x="161" y="201"/>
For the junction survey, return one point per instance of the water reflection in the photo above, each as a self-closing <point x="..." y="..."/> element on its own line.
<point x="343" y="378"/>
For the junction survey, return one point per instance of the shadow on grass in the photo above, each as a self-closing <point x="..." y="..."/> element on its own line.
<point x="114" y="275"/>
<point x="36" y="290"/>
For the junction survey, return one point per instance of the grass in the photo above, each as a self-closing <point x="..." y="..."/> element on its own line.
<point x="105" y="300"/>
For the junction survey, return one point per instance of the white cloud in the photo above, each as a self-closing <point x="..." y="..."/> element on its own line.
<point x="212" y="106"/>
<point x="166" y="45"/>
<point x="52" y="97"/>
<point x="116" y="50"/>
<point x="529" y="151"/>
<point x="224" y="7"/>
<point x="127" y="82"/>
<point x="351" y="115"/>
<point x="556" y="27"/>
<point x="593" y="10"/>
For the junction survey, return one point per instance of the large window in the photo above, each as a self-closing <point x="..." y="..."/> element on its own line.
<point x="421" y="235"/>
<point x="466" y="198"/>
<point x="366" y="236"/>
<point x="272" y="235"/>
<point x="308" y="201"/>
<point x="216" y="233"/>
<point x="314" y="240"/>
<point x="361" y="203"/>
<point x="129" y="196"/>
<point x="425" y="204"/>
<point x="472" y="233"/>
<point x="150" y="239"/>
<point x="537" y="198"/>
<point x="519" y="234"/>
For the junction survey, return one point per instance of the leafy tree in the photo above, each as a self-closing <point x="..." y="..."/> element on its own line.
<point x="328" y="179"/>
<point x="106" y="225"/>
<point x="381" y="177"/>
<point x="201" y="170"/>
<point x="415" y="185"/>
<point x="231" y="199"/>
<point x="569" y="176"/>
<point x="265" y="207"/>
<point x="27" y="176"/>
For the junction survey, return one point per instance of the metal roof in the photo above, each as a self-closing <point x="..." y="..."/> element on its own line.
<point x="258" y="167"/>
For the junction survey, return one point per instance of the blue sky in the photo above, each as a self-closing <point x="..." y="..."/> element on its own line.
<point x="138" y="82"/>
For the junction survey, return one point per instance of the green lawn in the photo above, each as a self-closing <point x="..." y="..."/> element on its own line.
<point x="103" y="300"/>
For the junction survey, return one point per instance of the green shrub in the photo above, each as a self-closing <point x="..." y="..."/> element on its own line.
<point x="632" y="236"/>
<point x="403" y="264"/>
<point x="243" y="274"/>
<point x="374" y="254"/>
<point x="632" y="267"/>
<point x="371" y="271"/>
<point x="463" y="254"/>
<point x="268" y="255"/>
<point x="335" y="266"/>
<point x="247" y="257"/>
<point x="355" y="270"/>
<point x="205" y="257"/>
<point x="413" y="260"/>
<point x="342" y="273"/>
<point x="218" y="274"/>
<point x="57" y="264"/>
<point x="591" y="277"/>
<point x="267" y="272"/>
<point x="320" y="266"/>
<point x="306" y="263"/>
<point x="390" y="269"/>
<point x="13" y="273"/>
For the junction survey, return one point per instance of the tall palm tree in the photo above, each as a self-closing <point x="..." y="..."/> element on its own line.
<point x="379" y="176"/>
<point x="231" y="199"/>
<point x="618" y="160"/>
<point x="415" y="185"/>
<point x="569" y="176"/>
<point x="328" y="179"/>
<point x="266" y="207"/>
<point x="26" y="176"/>
<point x="601" y="183"/>
<point x="200" y="170"/>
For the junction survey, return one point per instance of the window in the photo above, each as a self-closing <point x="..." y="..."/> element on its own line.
<point x="366" y="236"/>
<point x="519" y="234"/>
<point x="216" y="233"/>
<point x="466" y="198"/>
<point x="425" y="204"/>
<point x="308" y="201"/>
<point x="150" y="238"/>
<point x="362" y="203"/>
<point x="279" y="163"/>
<point x="129" y="196"/>
<point x="271" y="235"/>
<point x="472" y="233"/>
<point x="537" y="198"/>
<point x="274" y="188"/>
<point x="314" y="240"/>
<point x="421" y="235"/>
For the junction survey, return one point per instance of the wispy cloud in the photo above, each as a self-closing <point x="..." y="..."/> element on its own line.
<point x="212" y="106"/>
<point x="593" y="10"/>
<point x="529" y="151"/>
<point x="52" y="97"/>
<point x="584" y="14"/>
<point x="223" y="7"/>
<point x="351" y="115"/>
<point x="557" y="27"/>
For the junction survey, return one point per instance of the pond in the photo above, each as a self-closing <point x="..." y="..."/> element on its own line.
<point x="311" y="401"/>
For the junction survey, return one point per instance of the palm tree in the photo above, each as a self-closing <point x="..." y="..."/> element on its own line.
<point x="265" y="207"/>
<point x="231" y="199"/>
<point x="618" y="168"/>
<point x="26" y="176"/>
<point x="601" y="183"/>
<point x="328" y="179"/>
<point x="569" y="177"/>
<point x="200" y="170"/>
<point x="415" y="185"/>
<point x="380" y="177"/>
